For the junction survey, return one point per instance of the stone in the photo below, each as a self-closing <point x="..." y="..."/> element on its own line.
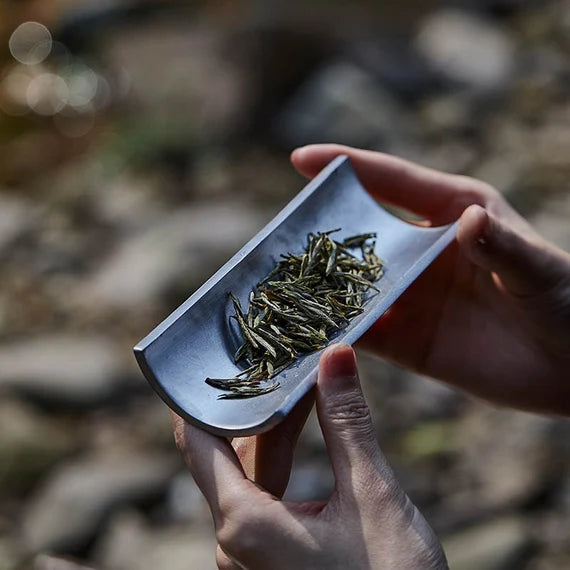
<point x="467" y="49"/>
<point x="10" y="552"/>
<point x="129" y="202"/>
<point x="61" y="369"/>
<point x="47" y="562"/>
<point x="495" y="545"/>
<point x="517" y="467"/>
<point x="396" y="65"/>
<point x="81" y="494"/>
<point x="179" y="548"/>
<point x="342" y="102"/>
<point x="551" y="221"/>
<point x="450" y="113"/>
<point x="190" y="243"/>
<point x="17" y="216"/>
<point x="185" y="501"/>
<point x="30" y="444"/>
<point x="498" y="7"/>
<point x="129" y="543"/>
<point x="194" y="92"/>
<point x="310" y="481"/>
<point x="122" y="542"/>
<point x="400" y="399"/>
<point x="453" y="156"/>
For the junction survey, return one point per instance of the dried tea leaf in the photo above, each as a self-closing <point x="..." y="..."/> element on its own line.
<point x="299" y="307"/>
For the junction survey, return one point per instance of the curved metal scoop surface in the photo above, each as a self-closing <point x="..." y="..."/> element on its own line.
<point x="195" y="341"/>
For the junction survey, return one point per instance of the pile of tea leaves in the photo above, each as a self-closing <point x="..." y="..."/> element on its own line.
<point x="299" y="307"/>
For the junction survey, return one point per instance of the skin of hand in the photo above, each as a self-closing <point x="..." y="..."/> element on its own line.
<point x="367" y="523"/>
<point x="491" y="315"/>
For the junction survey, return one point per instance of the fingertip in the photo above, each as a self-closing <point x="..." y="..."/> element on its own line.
<point x="298" y="154"/>
<point x="473" y="223"/>
<point x="310" y="159"/>
<point x="337" y="366"/>
<point x="303" y="162"/>
<point x="472" y="234"/>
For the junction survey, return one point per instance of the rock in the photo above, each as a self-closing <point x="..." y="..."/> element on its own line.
<point x="552" y="220"/>
<point x="190" y="243"/>
<point x="449" y="114"/>
<point x="453" y="156"/>
<point x="46" y="562"/>
<point x="185" y="501"/>
<point x="30" y="444"/>
<point x="399" y="399"/>
<point x="129" y="202"/>
<point x="10" y="553"/>
<point x="62" y="369"/>
<point x="496" y="545"/>
<point x="80" y="495"/>
<point x="122" y="542"/>
<point x="198" y="96"/>
<point x="343" y="103"/>
<point x="467" y="49"/>
<point x="180" y="549"/>
<point x="501" y="172"/>
<point x="518" y="466"/>
<point x="310" y="481"/>
<point x="16" y="217"/>
<point x="130" y="544"/>
<point x="396" y="65"/>
<point x="498" y="7"/>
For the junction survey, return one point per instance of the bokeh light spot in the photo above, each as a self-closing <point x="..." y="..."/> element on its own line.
<point x="47" y="94"/>
<point x="30" y="43"/>
<point x="82" y="82"/>
<point x="13" y="89"/>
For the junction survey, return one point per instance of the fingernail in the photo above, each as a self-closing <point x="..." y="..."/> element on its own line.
<point x="482" y="225"/>
<point x="338" y="367"/>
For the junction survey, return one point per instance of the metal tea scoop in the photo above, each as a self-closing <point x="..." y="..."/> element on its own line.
<point x="196" y="341"/>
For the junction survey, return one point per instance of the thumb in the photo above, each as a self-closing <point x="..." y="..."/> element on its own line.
<point x="525" y="264"/>
<point x="345" y="419"/>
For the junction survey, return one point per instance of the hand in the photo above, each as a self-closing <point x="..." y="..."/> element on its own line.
<point x="492" y="314"/>
<point x="368" y="522"/>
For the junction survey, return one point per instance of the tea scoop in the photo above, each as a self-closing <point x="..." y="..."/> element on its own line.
<point x="196" y="340"/>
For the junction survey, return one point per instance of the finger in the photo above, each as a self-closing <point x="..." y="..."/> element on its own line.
<point x="435" y="195"/>
<point x="224" y="562"/>
<point x="525" y="264"/>
<point x="213" y="464"/>
<point x="267" y="459"/>
<point x="345" y="420"/>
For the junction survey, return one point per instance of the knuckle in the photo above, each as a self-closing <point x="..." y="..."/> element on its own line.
<point x="352" y="422"/>
<point x="475" y="192"/>
<point x="350" y="410"/>
<point x="240" y="533"/>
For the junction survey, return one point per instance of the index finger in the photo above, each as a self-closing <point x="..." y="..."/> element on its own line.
<point x="435" y="195"/>
<point x="267" y="458"/>
<point x="213" y="464"/>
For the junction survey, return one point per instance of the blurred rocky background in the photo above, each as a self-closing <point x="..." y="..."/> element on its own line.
<point x="142" y="143"/>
